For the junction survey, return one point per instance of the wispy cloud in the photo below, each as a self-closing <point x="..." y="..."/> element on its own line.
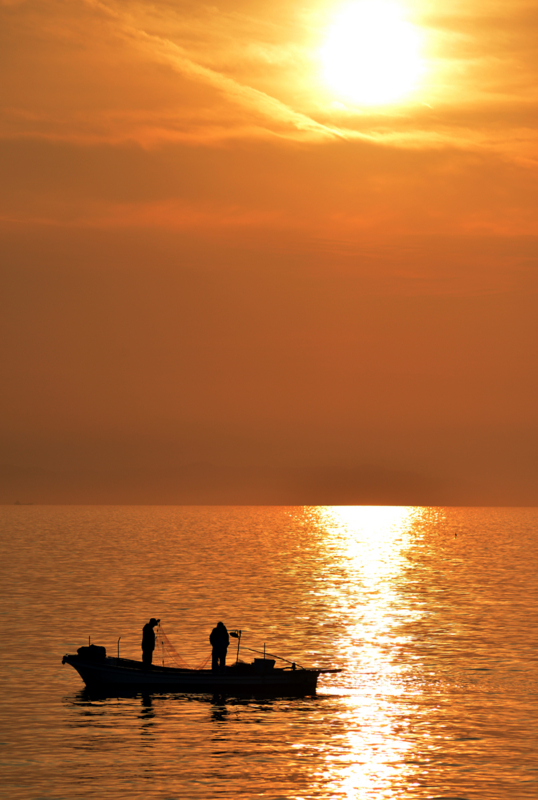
<point x="105" y="71"/>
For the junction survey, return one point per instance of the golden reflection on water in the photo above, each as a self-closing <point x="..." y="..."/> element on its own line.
<point x="431" y="613"/>
<point x="372" y="535"/>
<point x="374" y="542"/>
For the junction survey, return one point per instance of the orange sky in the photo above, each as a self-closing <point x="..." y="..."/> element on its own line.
<point x="212" y="257"/>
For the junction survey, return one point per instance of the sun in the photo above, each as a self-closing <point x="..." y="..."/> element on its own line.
<point x="372" y="55"/>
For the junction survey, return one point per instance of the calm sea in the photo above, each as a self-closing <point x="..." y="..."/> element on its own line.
<point x="431" y="613"/>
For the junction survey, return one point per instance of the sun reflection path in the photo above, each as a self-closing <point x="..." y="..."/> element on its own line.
<point x="372" y="542"/>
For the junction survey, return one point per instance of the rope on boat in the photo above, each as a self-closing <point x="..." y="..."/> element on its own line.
<point x="203" y="664"/>
<point x="170" y="656"/>
<point x="168" y="651"/>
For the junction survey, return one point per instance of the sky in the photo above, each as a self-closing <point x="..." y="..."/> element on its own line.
<point x="239" y="268"/>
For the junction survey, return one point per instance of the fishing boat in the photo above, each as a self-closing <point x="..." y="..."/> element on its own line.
<point x="258" y="678"/>
<point x="102" y="672"/>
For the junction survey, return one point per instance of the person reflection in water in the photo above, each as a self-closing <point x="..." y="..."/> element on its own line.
<point x="148" y="642"/>
<point x="220" y="640"/>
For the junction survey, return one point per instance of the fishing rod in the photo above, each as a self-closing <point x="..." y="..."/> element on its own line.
<point x="237" y="635"/>
<point x="272" y="655"/>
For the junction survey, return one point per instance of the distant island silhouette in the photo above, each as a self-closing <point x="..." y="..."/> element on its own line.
<point x="204" y="483"/>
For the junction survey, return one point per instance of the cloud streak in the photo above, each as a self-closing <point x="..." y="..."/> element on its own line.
<point x="196" y="75"/>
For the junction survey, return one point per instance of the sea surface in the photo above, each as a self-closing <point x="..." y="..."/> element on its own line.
<point x="432" y="613"/>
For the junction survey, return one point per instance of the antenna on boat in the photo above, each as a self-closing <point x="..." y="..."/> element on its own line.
<point x="236" y="635"/>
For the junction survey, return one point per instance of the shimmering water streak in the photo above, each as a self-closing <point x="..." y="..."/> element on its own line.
<point x="371" y="542"/>
<point x="431" y="612"/>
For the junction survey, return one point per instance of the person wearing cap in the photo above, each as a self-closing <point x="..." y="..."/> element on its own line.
<point x="220" y="640"/>
<point x="148" y="641"/>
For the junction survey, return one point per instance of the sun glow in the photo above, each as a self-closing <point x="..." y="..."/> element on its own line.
<point x="372" y="53"/>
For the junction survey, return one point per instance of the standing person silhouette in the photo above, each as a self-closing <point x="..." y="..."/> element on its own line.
<point x="148" y="642"/>
<point x="220" y="640"/>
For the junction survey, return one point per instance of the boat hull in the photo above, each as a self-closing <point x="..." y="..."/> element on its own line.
<point x="130" y="676"/>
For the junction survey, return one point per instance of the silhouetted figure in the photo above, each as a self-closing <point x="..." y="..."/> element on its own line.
<point x="148" y="641"/>
<point x="220" y="640"/>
